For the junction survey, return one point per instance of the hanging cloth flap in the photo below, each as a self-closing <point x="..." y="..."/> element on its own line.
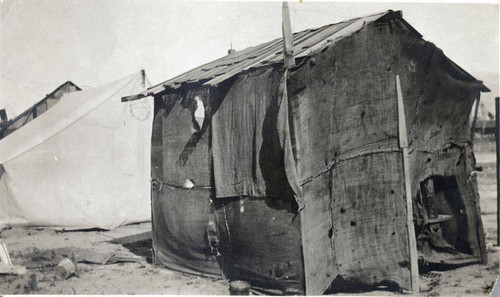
<point x="247" y="156"/>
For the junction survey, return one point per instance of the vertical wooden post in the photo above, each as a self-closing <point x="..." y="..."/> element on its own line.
<point x="473" y="125"/>
<point x="143" y="82"/>
<point x="288" y="59"/>
<point x="497" y="138"/>
<point x="403" y="144"/>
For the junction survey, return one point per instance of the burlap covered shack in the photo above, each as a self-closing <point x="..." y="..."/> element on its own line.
<point x="295" y="182"/>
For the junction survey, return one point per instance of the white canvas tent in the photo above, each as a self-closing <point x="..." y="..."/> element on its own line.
<point x="82" y="164"/>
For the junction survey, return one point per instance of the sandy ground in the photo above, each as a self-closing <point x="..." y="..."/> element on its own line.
<point x="144" y="278"/>
<point x="121" y="278"/>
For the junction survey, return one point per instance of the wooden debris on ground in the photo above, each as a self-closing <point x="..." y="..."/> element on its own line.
<point x="6" y="266"/>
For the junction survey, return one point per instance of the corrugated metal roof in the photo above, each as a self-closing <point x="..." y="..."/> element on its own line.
<point x="305" y="43"/>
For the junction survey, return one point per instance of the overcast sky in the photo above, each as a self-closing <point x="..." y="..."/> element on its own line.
<point x="45" y="43"/>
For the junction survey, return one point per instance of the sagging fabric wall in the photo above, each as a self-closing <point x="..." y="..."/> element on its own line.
<point x="342" y="106"/>
<point x="181" y="213"/>
<point x="343" y="114"/>
<point x="260" y="243"/>
<point x="240" y="216"/>
<point x="257" y="216"/>
<point x="439" y="99"/>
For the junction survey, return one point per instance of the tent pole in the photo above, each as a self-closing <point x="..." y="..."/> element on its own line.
<point x="403" y="143"/>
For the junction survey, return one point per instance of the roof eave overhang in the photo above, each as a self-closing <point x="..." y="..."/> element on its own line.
<point x="175" y="83"/>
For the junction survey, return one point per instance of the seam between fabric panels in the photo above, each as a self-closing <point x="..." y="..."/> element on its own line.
<point x="332" y="223"/>
<point x="21" y="153"/>
<point x="339" y="161"/>
<point x="445" y="149"/>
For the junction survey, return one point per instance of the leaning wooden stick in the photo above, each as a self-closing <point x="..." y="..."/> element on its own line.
<point x="403" y="144"/>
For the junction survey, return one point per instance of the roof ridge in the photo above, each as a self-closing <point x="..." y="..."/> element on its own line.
<point x="352" y="19"/>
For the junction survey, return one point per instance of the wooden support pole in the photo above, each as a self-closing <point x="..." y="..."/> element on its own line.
<point x="497" y="138"/>
<point x="288" y="59"/>
<point x="473" y="125"/>
<point x="403" y="144"/>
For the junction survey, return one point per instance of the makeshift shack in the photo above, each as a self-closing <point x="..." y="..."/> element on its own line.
<point x="296" y="180"/>
<point x="84" y="163"/>
<point x="37" y="109"/>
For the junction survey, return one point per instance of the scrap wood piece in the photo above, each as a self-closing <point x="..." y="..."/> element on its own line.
<point x="4" y="255"/>
<point x="133" y="238"/>
<point x="12" y="269"/>
<point x="84" y="255"/>
<point x="440" y="218"/>
<point x="50" y="258"/>
<point x="449" y="259"/>
<point x="6" y="266"/>
<point x="124" y="258"/>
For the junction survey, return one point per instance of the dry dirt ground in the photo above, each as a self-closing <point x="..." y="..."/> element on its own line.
<point x="144" y="278"/>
